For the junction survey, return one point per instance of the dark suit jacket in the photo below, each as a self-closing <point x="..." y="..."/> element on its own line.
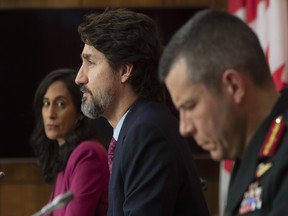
<point x="274" y="182"/>
<point x="153" y="169"/>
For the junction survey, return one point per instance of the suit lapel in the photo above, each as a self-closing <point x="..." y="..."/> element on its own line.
<point x="130" y="118"/>
<point x="128" y="121"/>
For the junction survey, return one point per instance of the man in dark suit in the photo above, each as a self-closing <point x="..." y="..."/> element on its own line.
<point x="153" y="172"/>
<point x="219" y="80"/>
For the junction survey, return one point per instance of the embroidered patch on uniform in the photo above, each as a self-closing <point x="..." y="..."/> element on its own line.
<point x="262" y="168"/>
<point x="273" y="137"/>
<point x="252" y="199"/>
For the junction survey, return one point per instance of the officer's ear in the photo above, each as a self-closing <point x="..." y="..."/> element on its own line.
<point x="234" y="84"/>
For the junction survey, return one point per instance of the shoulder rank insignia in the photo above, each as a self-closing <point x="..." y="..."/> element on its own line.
<point x="273" y="137"/>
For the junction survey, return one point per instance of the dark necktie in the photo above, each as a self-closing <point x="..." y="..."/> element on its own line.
<point x="111" y="150"/>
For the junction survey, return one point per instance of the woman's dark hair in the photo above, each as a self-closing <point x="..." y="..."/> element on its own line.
<point x="52" y="157"/>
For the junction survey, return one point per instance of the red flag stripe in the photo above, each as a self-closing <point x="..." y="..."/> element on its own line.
<point x="251" y="10"/>
<point x="235" y="5"/>
<point x="249" y="6"/>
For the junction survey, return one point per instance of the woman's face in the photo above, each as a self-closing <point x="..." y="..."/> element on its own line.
<point x="59" y="112"/>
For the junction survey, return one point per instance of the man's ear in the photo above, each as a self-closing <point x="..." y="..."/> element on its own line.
<point x="126" y="72"/>
<point x="79" y="118"/>
<point x="234" y="85"/>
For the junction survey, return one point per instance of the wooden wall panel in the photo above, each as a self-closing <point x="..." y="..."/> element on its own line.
<point x="155" y="3"/>
<point x="110" y="3"/>
<point x="201" y="3"/>
<point x="39" y="3"/>
<point x="22" y="191"/>
<point x="121" y="3"/>
<point x="22" y="199"/>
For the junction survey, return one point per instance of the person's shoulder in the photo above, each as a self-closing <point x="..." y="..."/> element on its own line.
<point x="88" y="152"/>
<point x="151" y="108"/>
<point x="149" y="114"/>
<point x="275" y="137"/>
<point x="91" y="143"/>
<point x="88" y="148"/>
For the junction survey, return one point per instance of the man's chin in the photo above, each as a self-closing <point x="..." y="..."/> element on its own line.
<point x="216" y="156"/>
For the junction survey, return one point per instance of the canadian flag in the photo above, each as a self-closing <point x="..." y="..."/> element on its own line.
<point x="269" y="20"/>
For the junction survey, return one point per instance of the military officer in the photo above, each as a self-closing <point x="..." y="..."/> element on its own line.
<point x="221" y="84"/>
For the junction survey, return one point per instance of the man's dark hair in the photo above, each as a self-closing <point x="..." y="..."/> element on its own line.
<point x="127" y="37"/>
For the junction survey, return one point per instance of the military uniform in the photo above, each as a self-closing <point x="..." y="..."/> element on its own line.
<point x="259" y="182"/>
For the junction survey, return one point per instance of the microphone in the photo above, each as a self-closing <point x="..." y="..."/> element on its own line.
<point x="204" y="184"/>
<point x="58" y="202"/>
<point x="2" y="175"/>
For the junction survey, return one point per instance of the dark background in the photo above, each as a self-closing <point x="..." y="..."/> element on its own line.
<point x="34" y="42"/>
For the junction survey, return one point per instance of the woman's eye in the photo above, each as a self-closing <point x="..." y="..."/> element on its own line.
<point x="61" y="104"/>
<point x="45" y="103"/>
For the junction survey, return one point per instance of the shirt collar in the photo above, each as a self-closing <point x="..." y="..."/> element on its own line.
<point x="118" y="127"/>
